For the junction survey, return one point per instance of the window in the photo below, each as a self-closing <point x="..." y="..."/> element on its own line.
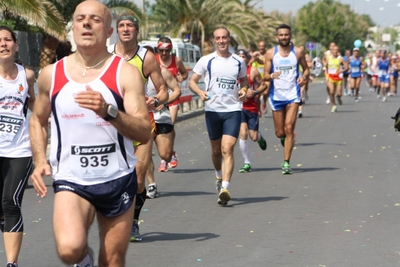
<point x="183" y="54"/>
<point x="191" y="56"/>
<point x="197" y="55"/>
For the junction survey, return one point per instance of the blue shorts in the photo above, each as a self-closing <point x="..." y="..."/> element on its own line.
<point x="280" y="105"/>
<point x="384" y="79"/>
<point x="395" y="74"/>
<point x="223" y="123"/>
<point x="111" y="199"/>
<point x="251" y="119"/>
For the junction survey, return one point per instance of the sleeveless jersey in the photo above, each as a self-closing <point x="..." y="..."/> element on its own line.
<point x="137" y="60"/>
<point x="259" y="67"/>
<point x="86" y="149"/>
<point x="333" y="67"/>
<point x="374" y="64"/>
<point x="285" y="88"/>
<point x="173" y="68"/>
<point x="251" y="104"/>
<point x="355" y="67"/>
<point x="14" y="129"/>
<point x="347" y="59"/>
<point x="383" y="67"/>
<point x="162" y="116"/>
<point x="221" y="78"/>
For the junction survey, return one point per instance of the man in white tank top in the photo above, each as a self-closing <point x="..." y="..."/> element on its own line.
<point x="98" y="106"/>
<point x="281" y="68"/>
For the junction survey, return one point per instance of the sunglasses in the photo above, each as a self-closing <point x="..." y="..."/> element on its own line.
<point x="164" y="50"/>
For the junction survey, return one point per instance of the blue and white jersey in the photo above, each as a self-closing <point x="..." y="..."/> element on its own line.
<point x="383" y="67"/>
<point x="285" y="87"/>
<point x="355" y="67"/>
<point x="221" y="77"/>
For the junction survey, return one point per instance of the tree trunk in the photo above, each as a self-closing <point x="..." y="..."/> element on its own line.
<point x="48" y="53"/>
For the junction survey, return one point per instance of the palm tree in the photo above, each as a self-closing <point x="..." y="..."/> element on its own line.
<point x="67" y="8"/>
<point x="198" y="18"/>
<point x="40" y="13"/>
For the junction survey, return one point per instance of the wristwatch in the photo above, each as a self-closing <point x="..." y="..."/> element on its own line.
<point x="112" y="112"/>
<point x="156" y="102"/>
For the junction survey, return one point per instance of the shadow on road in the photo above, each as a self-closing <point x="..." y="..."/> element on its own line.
<point x="189" y="170"/>
<point x="184" y="193"/>
<point x="316" y="144"/>
<point x="163" y="236"/>
<point x="252" y="200"/>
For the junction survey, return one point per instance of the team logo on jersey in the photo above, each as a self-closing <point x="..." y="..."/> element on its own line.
<point x="20" y="89"/>
<point x="93" y="150"/>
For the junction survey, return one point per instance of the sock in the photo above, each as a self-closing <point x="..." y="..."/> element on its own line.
<point x="244" y="147"/>
<point x="140" y="199"/>
<point x="287" y="161"/>
<point x="218" y="173"/>
<point x="259" y="137"/>
<point x="225" y="184"/>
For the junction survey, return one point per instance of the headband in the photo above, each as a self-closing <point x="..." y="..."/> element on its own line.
<point x="165" y="46"/>
<point x="130" y="18"/>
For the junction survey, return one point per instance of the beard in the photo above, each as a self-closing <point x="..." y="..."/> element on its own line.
<point x="284" y="43"/>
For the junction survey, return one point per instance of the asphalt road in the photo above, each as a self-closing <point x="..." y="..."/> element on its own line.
<point x="339" y="208"/>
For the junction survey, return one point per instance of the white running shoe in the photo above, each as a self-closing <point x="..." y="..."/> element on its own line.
<point x="91" y="260"/>
<point x="328" y="101"/>
<point x="384" y="99"/>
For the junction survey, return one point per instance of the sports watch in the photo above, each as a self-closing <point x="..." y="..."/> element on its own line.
<point x="156" y="102"/>
<point x="112" y="112"/>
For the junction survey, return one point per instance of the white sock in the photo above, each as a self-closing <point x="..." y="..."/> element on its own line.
<point x="244" y="147"/>
<point x="218" y="173"/>
<point x="259" y="136"/>
<point x="225" y="184"/>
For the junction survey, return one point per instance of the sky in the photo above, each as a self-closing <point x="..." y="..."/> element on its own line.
<point x="384" y="13"/>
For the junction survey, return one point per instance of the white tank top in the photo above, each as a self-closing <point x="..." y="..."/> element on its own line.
<point x="285" y="87"/>
<point x="14" y="130"/>
<point x="162" y="116"/>
<point x="86" y="149"/>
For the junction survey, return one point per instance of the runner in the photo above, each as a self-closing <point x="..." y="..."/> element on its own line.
<point x="98" y="106"/>
<point x="346" y="73"/>
<point x="223" y="104"/>
<point x="164" y="137"/>
<point x="281" y="68"/>
<point x="17" y="95"/>
<point x="304" y="88"/>
<point x="383" y="74"/>
<point x="394" y="76"/>
<point x="368" y="72"/>
<point x="250" y="112"/>
<point x="335" y="66"/>
<point x="257" y="60"/>
<point x="175" y="66"/>
<point x="375" y="72"/>
<point x="127" y="47"/>
<point x="356" y="66"/>
<point x="325" y="62"/>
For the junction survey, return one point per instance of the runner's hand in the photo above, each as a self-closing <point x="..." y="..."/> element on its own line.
<point x="37" y="179"/>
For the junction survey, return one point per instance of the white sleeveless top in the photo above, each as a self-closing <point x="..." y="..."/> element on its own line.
<point x="86" y="149"/>
<point x="285" y="87"/>
<point x="162" y="116"/>
<point x="14" y="130"/>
